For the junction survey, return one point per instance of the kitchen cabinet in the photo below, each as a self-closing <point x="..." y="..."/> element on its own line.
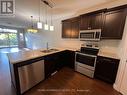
<point x="93" y="20"/>
<point x="51" y="62"/>
<point x="97" y="21"/>
<point x="111" y="22"/>
<point x="114" y="24"/>
<point x="70" y="28"/>
<point x="66" y="29"/>
<point x="69" y="59"/>
<point x="85" y="22"/>
<point x="106" y="69"/>
<point x="54" y="62"/>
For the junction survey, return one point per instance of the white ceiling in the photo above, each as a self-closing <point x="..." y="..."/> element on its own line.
<point x="26" y="8"/>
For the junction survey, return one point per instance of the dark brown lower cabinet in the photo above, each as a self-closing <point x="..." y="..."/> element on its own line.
<point x="56" y="61"/>
<point x="69" y="59"/>
<point x="50" y="64"/>
<point x="106" y="69"/>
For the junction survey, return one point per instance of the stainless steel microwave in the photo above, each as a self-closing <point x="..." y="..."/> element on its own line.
<point x="90" y="35"/>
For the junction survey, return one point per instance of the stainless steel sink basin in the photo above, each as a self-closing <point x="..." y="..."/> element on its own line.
<point x="49" y="50"/>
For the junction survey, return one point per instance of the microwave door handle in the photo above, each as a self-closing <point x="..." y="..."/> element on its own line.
<point x="94" y="35"/>
<point x="100" y="36"/>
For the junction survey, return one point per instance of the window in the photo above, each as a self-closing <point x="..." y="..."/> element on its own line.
<point x="8" y="37"/>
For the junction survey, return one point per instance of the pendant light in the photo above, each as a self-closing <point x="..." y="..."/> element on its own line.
<point x="51" y="26"/>
<point x="39" y="23"/>
<point x="49" y="4"/>
<point x="32" y="30"/>
<point x="46" y="26"/>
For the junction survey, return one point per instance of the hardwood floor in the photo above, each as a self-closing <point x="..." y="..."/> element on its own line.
<point x="65" y="82"/>
<point x="74" y="84"/>
<point x="5" y="79"/>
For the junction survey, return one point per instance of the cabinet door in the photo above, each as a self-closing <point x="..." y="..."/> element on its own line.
<point x="69" y="59"/>
<point x="50" y="65"/>
<point x="114" y="24"/>
<point x="75" y="28"/>
<point x="66" y="29"/>
<point x="70" y="28"/>
<point x="84" y="22"/>
<point x="97" y="21"/>
<point x="106" y="69"/>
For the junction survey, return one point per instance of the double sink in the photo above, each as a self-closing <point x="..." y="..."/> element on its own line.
<point x="49" y="50"/>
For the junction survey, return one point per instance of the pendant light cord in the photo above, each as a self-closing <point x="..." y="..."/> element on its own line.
<point x="46" y="14"/>
<point x="51" y="16"/>
<point x="32" y="21"/>
<point x="39" y="10"/>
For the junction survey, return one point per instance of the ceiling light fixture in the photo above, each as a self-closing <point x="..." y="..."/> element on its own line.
<point x="46" y="26"/>
<point x="32" y="30"/>
<point x="39" y="23"/>
<point x="51" y="26"/>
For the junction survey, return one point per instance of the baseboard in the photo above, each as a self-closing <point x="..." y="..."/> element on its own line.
<point x="116" y="87"/>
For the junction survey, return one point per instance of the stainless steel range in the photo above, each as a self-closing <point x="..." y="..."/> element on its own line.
<point x="85" y="60"/>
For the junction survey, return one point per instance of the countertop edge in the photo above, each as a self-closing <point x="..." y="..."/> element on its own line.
<point x="30" y="58"/>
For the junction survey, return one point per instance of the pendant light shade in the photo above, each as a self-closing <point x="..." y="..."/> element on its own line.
<point x="32" y="29"/>
<point x="51" y="28"/>
<point x="39" y="25"/>
<point x="46" y="26"/>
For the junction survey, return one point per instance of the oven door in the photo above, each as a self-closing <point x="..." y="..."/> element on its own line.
<point x="86" y="61"/>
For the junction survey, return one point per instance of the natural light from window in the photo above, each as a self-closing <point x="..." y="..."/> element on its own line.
<point x="8" y="38"/>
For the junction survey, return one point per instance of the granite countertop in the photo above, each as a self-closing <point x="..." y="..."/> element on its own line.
<point x="21" y="56"/>
<point x="24" y="55"/>
<point x="108" y="54"/>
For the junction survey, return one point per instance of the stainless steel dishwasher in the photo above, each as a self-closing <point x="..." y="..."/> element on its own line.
<point x="30" y="75"/>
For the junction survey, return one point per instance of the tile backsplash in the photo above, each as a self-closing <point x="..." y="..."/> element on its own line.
<point x="109" y="45"/>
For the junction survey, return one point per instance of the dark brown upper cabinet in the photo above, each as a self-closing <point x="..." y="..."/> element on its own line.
<point x="84" y="22"/>
<point x="93" y="20"/>
<point x="110" y="21"/>
<point x="97" y="21"/>
<point x="66" y="29"/>
<point x="70" y="28"/>
<point x="114" y="23"/>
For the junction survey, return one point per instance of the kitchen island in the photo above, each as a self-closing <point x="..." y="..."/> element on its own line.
<point x="28" y="68"/>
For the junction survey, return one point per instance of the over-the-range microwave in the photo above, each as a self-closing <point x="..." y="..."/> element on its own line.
<point x="90" y="35"/>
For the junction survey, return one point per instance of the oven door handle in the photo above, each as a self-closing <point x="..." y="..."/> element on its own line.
<point x="86" y="54"/>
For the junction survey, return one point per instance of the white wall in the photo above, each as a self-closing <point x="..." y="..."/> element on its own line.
<point x="122" y="53"/>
